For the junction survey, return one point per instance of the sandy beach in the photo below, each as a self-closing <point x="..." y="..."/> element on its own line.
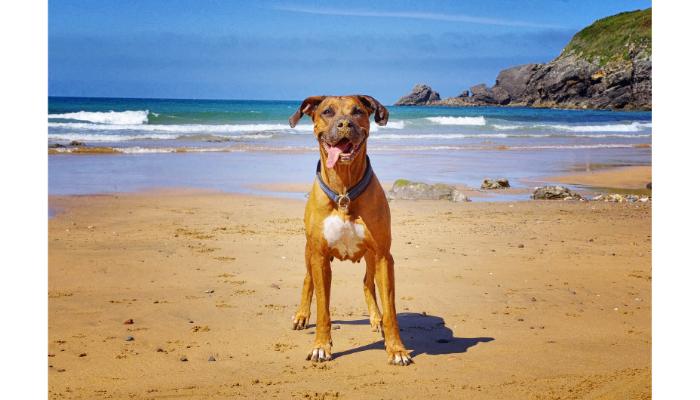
<point x="633" y="177"/>
<point x="528" y="299"/>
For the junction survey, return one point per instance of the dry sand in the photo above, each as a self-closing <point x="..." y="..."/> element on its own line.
<point x="520" y="300"/>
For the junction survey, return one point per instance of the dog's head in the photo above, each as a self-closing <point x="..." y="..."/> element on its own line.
<point x="341" y="124"/>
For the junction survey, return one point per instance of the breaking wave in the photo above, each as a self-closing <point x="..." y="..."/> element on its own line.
<point x="190" y="128"/>
<point x="108" y="117"/>
<point x="475" y="121"/>
<point x="631" y="127"/>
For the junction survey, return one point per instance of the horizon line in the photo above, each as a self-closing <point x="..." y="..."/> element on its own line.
<point x="176" y="98"/>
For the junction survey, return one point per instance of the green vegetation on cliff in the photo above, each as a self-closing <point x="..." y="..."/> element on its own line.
<point x="616" y="38"/>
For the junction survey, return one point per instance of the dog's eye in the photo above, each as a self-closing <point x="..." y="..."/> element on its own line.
<point x="357" y="111"/>
<point x="327" y="111"/>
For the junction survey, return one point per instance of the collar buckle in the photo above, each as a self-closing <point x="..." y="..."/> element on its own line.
<point x="343" y="202"/>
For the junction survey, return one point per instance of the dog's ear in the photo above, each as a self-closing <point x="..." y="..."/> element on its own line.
<point x="307" y="107"/>
<point x="381" y="114"/>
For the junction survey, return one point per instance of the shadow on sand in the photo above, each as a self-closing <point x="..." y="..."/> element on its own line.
<point x="423" y="334"/>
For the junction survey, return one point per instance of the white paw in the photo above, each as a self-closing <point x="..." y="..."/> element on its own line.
<point x="319" y="354"/>
<point x="400" y="358"/>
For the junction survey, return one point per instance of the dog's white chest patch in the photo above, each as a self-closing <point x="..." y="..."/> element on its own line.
<point x="343" y="236"/>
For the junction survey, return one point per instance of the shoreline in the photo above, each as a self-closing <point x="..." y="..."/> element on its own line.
<point x="621" y="177"/>
<point x="497" y="300"/>
<point x="598" y="178"/>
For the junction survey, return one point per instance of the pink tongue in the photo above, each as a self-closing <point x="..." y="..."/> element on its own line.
<point x="333" y="155"/>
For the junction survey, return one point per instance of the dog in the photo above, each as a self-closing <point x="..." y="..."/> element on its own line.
<point x="347" y="218"/>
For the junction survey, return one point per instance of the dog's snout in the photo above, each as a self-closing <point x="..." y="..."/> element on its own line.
<point x="344" y="123"/>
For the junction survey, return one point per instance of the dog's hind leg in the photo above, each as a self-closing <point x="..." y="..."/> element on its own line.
<point x="375" y="317"/>
<point x="303" y="314"/>
<point x="392" y="340"/>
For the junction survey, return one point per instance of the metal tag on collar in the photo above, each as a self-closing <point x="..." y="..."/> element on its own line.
<point x="344" y="202"/>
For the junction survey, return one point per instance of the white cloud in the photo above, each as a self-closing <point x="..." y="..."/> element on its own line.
<point x="415" y="15"/>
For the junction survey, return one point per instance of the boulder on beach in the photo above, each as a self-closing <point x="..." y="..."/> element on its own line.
<point x="76" y="143"/>
<point x="555" y="193"/>
<point x="407" y="190"/>
<point x="420" y="95"/>
<point x="500" y="183"/>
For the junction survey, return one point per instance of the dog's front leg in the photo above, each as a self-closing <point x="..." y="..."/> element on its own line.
<point x="301" y="318"/>
<point x="392" y="340"/>
<point x="321" y="275"/>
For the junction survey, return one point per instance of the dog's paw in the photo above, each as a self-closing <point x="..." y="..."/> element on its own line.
<point x="320" y="354"/>
<point x="399" y="357"/>
<point x="300" y="321"/>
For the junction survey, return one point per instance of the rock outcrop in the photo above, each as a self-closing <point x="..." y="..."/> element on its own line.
<point x="420" y="95"/>
<point x="555" y="193"/>
<point x="501" y="183"/>
<point x="607" y="65"/>
<point x="407" y="190"/>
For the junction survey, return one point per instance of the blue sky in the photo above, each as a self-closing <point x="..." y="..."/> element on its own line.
<point x="290" y="50"/>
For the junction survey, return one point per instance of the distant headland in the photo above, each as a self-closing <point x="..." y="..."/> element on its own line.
<point x="606" y="65"/>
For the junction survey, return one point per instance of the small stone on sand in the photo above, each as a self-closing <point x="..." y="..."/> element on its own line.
<point x="129" y="338"/>
<point x="183" y="358"/>
<point x="211" y="358"/>
<point x="129" y="321"/>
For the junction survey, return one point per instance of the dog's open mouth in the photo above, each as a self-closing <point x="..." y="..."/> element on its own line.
<point x="344" y="151"/>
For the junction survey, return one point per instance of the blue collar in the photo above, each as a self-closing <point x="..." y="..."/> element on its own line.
<point x="343" y="200"/>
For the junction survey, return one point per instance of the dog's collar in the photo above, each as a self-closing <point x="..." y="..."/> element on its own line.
<point x="343" y="200"/>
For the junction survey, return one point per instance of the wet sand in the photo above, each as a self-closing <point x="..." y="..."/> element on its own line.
<point x="635" y="177"/>
<point x="497" y="300"/>
<point x="470" y="192"/>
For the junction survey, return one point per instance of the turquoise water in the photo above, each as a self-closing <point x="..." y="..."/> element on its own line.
<point x="227" y="144"/>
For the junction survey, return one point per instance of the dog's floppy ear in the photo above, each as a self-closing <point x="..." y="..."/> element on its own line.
<point x="307" y="107"/>
<point x="381" y="114"/>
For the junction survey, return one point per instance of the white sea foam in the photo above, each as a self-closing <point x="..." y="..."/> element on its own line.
<point x="476" y="121"/>
<point x="395" y="136"/>
<point x="389" y="125"/>
<point x="417" y="148"/>
<point x="184" y="129"/>
<point x="631" y="127"/>
<point x="108" y="117"/>
<point x="160" y="150"/>
<point x="611" y="135"/>
<point x="507" y="127"/>
<point x="574" y="146"/>
<point x="87" y="137"/>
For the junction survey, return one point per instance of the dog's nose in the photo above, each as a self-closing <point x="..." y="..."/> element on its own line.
<point x="344" y="123"/>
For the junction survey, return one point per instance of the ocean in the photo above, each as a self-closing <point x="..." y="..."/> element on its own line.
<point x="230" y="144"/>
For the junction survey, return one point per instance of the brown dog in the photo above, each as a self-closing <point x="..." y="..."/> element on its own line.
<point x="347" y="217"/>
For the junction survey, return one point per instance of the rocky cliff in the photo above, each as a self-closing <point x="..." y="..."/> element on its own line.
<point x="420" y="95"/>
<point x="607" y="65"/>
